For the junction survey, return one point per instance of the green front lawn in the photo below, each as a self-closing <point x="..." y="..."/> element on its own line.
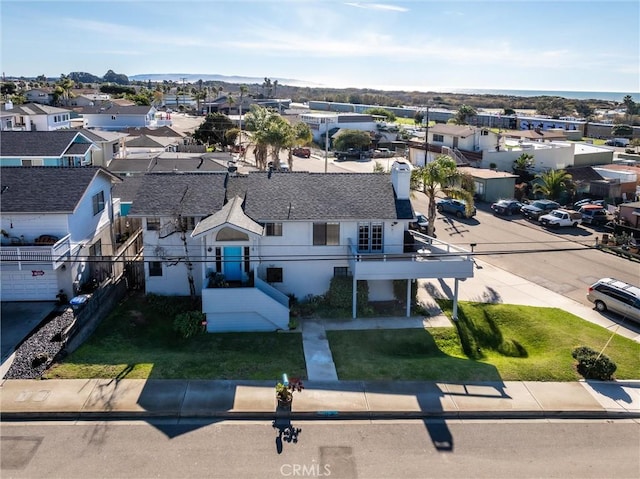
<point x="490" y="342"/>
<point x="137" y="341"/>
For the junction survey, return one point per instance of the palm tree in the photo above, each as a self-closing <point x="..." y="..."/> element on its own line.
<point x="438" y="178"/>
<point x="257" y="122"/>
<point x="553" y="183"/>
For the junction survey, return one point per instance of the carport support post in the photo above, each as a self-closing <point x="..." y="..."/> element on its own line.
<point x="455" y="300"/>
<point x="408" y="298"/>
<point x="355" y="298"/>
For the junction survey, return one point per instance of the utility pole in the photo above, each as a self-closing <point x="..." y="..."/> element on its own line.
<point x="326" y="143"/>
<point x="183" y="80"/>
<point x="426" y="139"/>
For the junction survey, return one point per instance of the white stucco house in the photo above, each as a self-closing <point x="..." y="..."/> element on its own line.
<point x="33" y="117"/>
<point x="112" y="116"/>
<point x="55" y="222"/>
<point x="267" y="235"/>
<point x="319" y="123"/>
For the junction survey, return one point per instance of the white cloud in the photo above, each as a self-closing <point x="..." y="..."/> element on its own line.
<point x="377" y="6"/>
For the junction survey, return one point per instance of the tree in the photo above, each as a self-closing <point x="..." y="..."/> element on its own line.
<point x="635" y="144"/>
<point x="508" y="111"/>
<point x="584" y="109"/>
<point x="622" y="130"/>
<point x="212" y="130"/>
<point x="553" y="183"/>
<point x="418" y="117"/>
<point x="632" y="106"/>
<point x="463" y="114"/>
<point x="257" y="122"/>
<point x="7" y="89"/>
<point x="379" y="111"/>
<point x="357" y="139"/>
<point x="439" y="178"/>
<point x="301" y="136"/>
<point x="522" y="167"/>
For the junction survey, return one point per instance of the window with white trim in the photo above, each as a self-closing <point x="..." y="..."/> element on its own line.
<point x="98" y="203"/>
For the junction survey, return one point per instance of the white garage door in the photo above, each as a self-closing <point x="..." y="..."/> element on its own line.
<point x="36" y="285"/>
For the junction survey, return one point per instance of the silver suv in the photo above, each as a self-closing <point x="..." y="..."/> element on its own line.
<point x="617" y="296"/>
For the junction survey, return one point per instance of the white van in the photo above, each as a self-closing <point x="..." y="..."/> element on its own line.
<point x="617" y="296"/>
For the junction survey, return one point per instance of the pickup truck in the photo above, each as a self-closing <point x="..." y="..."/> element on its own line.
<point x="559" y="218"/>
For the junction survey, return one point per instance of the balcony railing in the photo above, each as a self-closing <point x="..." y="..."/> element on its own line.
<point x="431" y="259"/>
<point x="27" y="254"/>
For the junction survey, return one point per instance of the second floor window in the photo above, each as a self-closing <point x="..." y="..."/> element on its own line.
<point x="98" y="203"/>
<point x="273" y="229"/>
<point x="326" y="234"/>
<point x="438" y="138"/>
<point x="153" y="224"/>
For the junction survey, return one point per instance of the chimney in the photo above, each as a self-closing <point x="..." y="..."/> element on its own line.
<point x="8" y="105"/>
<point x="401" y="179"/>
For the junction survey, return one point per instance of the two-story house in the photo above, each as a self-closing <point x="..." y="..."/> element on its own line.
<point x="46" y="148"/>
<point x="115" y="117"/>
<point x="56" y="228"/>
<point x="33" y="117"/>
<point x="267" y="235"/>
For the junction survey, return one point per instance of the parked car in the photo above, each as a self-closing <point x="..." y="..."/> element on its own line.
<point x="506" y="207"/>
<point x="302" y="152"/>
<point x="595" y="215"/>
<point x="561" y="218"/>
<point x="588" y="201"/>
<point x="535" y="210"/>
<point x="617" y="296"/>
<point x="455" y="207"/>
<point x="420" y="224"/>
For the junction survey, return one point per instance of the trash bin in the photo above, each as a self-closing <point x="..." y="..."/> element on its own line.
<point x="78" y="301"/>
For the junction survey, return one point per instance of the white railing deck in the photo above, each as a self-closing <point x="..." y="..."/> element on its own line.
<point x="35" y="254"/>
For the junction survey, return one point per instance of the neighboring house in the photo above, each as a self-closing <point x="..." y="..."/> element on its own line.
<point x="466" y="142"/>
<point x="33" y="117"/>
<point x="630" y="214"/>
<point x="490" y="186"/>
<point x="40" y="95"/>
<point x="583" y="177"/>
<point x="619" y="185"/>
<point x="88" y="99"/>
<point x="319" y="123"/>
<point x="114" y="117"/>
<point x="269" y="235"/>
<point x="149" y="146"/>
<point x="109" y="142"/>
<point x="46" y="148"/>
<point x="56" y="227"/>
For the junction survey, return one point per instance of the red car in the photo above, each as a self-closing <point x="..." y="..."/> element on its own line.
<point x="302" y="152"/>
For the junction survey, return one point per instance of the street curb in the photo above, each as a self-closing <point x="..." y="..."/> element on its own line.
<point x="319" y="415"/>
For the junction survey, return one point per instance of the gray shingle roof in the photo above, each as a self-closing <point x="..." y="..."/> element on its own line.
<point x="45" y="189"/>
<point x="36" y="109"/>
<point x="157" y="165"/>
<point x="319" y="196"/>
<point x="36" y="143"/>
<point x="284" y="196"/>
<point x="188" y="194"/>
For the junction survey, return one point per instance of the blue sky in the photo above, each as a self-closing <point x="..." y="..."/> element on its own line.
<point x="408" y="45"/>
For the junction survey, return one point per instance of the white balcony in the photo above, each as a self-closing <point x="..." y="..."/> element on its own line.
<point x="25" y="254"/>
<point x="432" y="259"/>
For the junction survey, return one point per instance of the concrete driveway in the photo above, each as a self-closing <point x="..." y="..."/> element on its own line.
<point x="18" y="319"/>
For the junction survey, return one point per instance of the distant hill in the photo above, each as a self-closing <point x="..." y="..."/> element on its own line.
<point x="194" y="77"/>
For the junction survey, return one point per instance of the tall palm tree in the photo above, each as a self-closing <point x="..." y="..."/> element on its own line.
<point x="257" y="122"/>
<point x="553" y="183"/>
<point x="440" y="178"/>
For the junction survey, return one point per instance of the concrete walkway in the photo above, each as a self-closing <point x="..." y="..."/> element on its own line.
<point x="95" y="399"/>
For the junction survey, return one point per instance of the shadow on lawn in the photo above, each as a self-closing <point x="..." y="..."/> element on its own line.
<point x="479" y="334"/>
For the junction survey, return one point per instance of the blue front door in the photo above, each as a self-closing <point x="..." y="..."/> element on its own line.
<point x="233" y="263"/>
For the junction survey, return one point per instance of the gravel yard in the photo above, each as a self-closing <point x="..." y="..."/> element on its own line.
<point x="35" y="354"/>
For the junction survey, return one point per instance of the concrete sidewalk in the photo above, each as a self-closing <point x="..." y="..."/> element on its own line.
<point x="138" y="399"/>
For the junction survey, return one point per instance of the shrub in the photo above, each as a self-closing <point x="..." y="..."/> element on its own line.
<point x="190" y="323"/>
<point x="593" y="366"/>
